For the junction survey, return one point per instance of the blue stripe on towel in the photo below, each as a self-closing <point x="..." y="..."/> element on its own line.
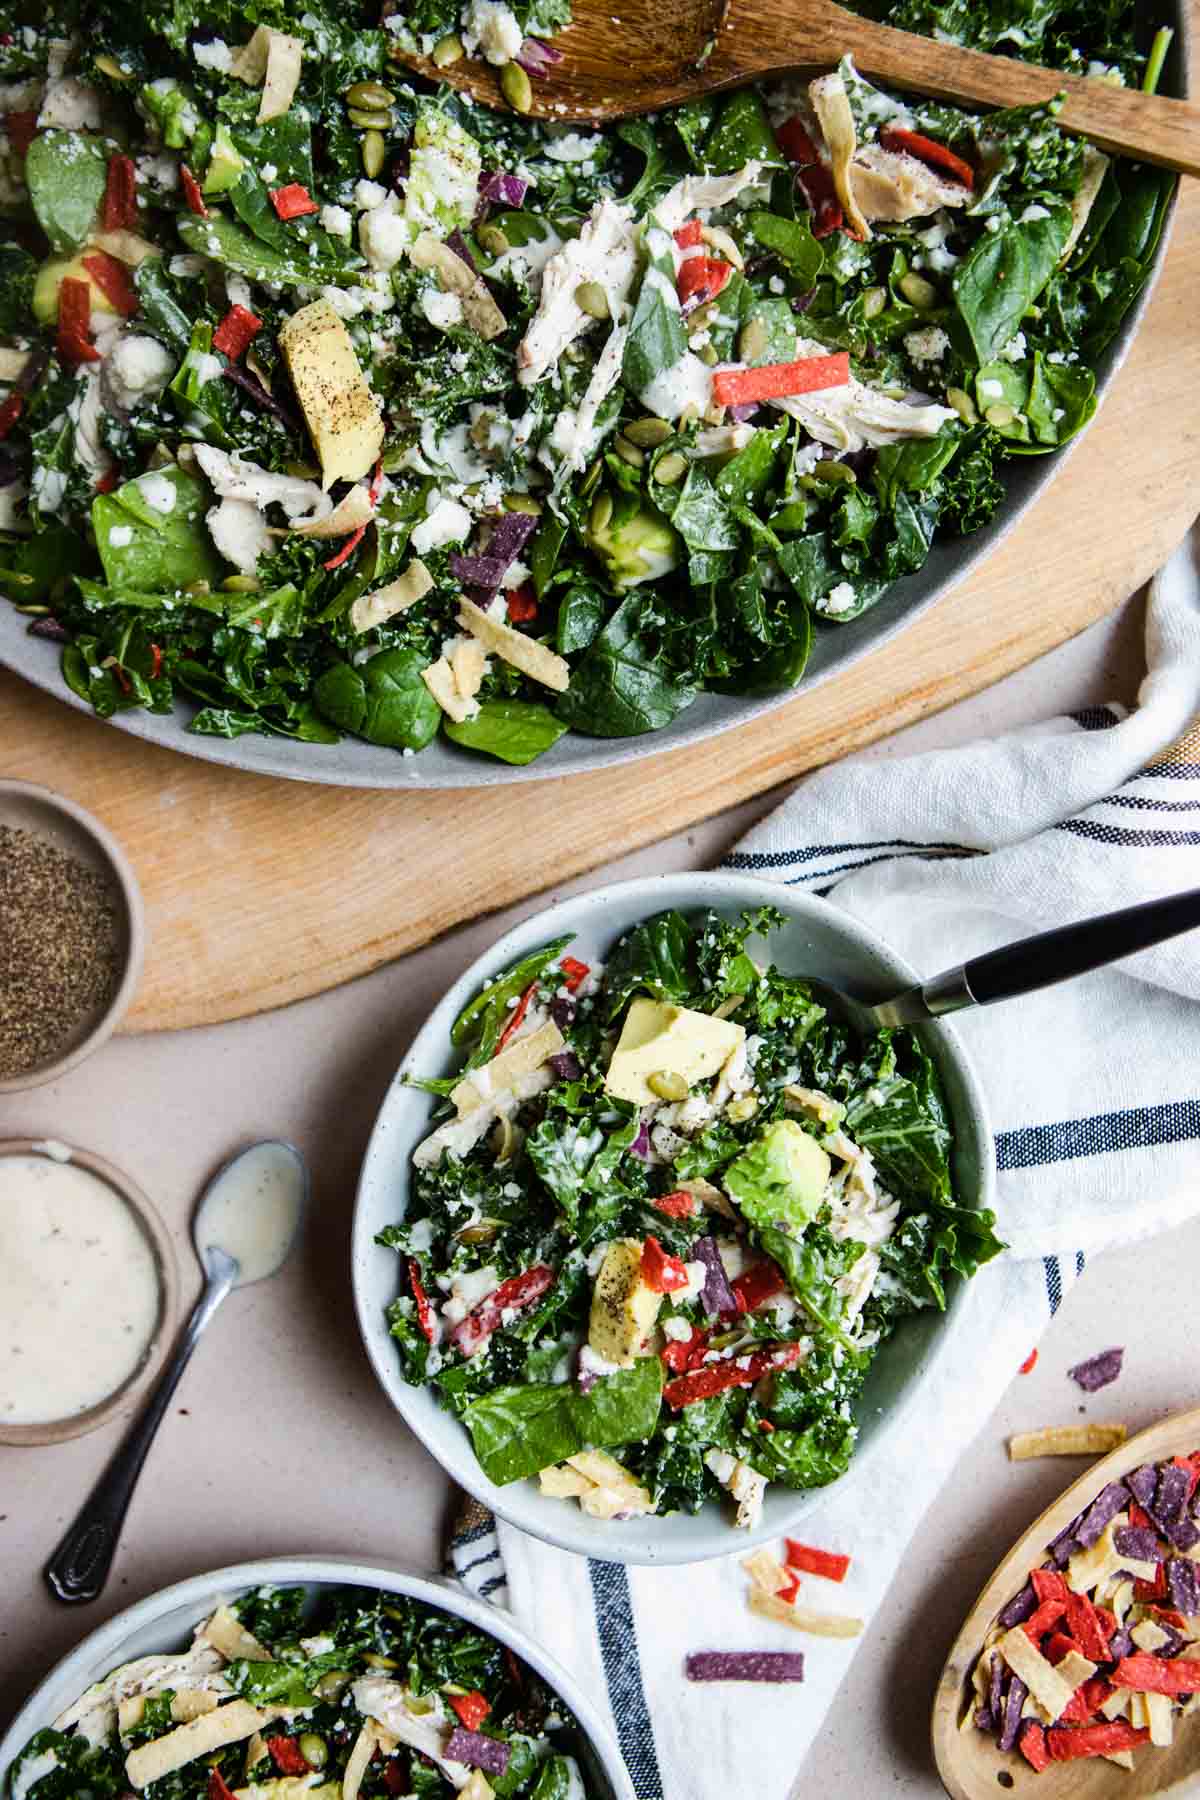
<point x="1096" y="718"/>
<point x="1137" y="1128"/>
<point x="787" y="859"/>
<point x="1129" y="839"/>
<point x="613" y="1604"/>
<point x="1054" y="1289"/>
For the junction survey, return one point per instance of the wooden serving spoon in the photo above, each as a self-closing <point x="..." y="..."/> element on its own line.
<point x="969" y="1763"/>
<point x="633" y="56"/>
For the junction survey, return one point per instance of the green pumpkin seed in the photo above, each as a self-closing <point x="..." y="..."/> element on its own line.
<point x="591" y="298"/>
<point x="374" y="151"/>
<point x="601" y="513"/>
<point x="1000" y="415"/>
<point x="873" y="302"/>
<point x="31" y="610"/>
<point x="374" y="1661"/>
<point x="918" y="292"/>
<point x="516" y="87"/>
<point x="628" y="452"/>
<point x="240" y="584"/>
<point x="963" y="405"/>
<point x="108" y="65"/>
<point x="379" y="118"/>
<point x="492" y="239"/>
<point x="667" y="1085"/>
<point x="669" y="468"/>
<point x="522" y="503"/>
<point x="199" y="588"/>
<point x="708" y="355"/>
<point x="504" y="1142"/>
<point x="719" y="239"/>
<point x="314" y="1749"/>
<point x="368" y="94"/>
<point x="839" y="473"/>
<point x="485" y="1231"/>
<point x="591" y="478"/>
<point x="448" y="49"/>
<point x="741" y="1109"/>
<point x="648" y="433"/>
<point x="752" y="344"/>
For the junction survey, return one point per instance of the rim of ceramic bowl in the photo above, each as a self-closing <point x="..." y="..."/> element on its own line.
<point x="516" y="1503"/>
<point x="60" y="1431"/>
<point x="102" y="1648"/>
<point x="84" y="828"/>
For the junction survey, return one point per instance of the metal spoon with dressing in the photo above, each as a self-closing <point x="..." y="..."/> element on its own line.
<point x="244" y="1227"/>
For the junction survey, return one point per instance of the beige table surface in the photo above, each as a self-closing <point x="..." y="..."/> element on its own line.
<point x="278" y="1439"/>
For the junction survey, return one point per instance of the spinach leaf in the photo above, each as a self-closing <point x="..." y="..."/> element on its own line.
<point x="803" y="1459"/>
<point x="479" y="1024"/>
<point x="562" y="1153"/>
<point x="543" y="551"/>
<point x="150" y="551"/>
<point x="1061" y="400"/>
<point x="65" y="172"/>
<point x="227" y="243"/>
<point x="383" y="700"/>
<point x="658" y="171"/>
<point x="515" y="731"/>
<point x="155" y="1718"/>
<point x="623" y="686"/>
<point x="807" y="564"/>
<point x="657" y="339"/>
<point x="518" y="1430"/>
<point x="813" y="1264"/>
<point x="704" y="522"/>
<point x="746" y="476"/>
<point x="580" y="615"/>
<point x="742" y="133"/>
<point x="792" y="241"/>
<point x="277" y="1683"/>
<point x="1001" y="277"/>
<point x="161" y="312"/>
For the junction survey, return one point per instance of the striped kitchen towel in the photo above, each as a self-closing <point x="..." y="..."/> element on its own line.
<point x="1095" y="1095"/>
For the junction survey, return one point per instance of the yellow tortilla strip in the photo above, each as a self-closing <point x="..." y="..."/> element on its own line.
<point x="439" y="679"/>
<point x="193" y="1703"/>
<point x="226" y="1633"/>
<point x="1117" y="1704"/>
<point x="1075" y="1669"/>
<point x="383" y="603"/>
<point x="1040" y="1677"/>
<point x="1088" y="1569"/>
<point x="230" y="1723"/>
<point x="351" y="511"/>
<point x="358" y="1761"/>
<point x="521" y="1058"/>
<point x="1160" y="1718"/>
<point x="1065" y="1440"/>
<point x="524" y="653"/>
<point x="561" y="1483"/>
<point x="770" y="1606"/>
<point x="766" y="1572"/>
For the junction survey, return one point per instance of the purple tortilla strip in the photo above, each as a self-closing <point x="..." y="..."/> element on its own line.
<point x="1108" y="1503"/>
<point x="1021" y="1607"/>
<point x="996" y="1690"/>
<point x="477" y="1751"/>
<point x="716" y="1296"/>
<point x="1098" y="1371"/>
<point x="1183" y="1533"/>
<point x="50" y="628"/>
<point x="566" y="1065"/>
<point x="1173" y="1642"/>
<point x="745" y="1665"/>
<point x="1183" y="1580"/>
<point x="1120" y="1644"/>
<point x="1014" y="1701"/>
<point x="1139" y="1542"/>
<point x="1170" y="1495"/>
<point x="1142" y="1483"/>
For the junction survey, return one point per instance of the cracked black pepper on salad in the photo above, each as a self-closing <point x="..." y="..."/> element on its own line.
<point x="666" y="1217"/>
<point x="355" y="1695"/>
<point x="334" y="404"/>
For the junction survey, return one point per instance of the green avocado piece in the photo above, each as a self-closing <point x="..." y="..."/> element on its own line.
<point x="225" y="164"/>
<point x="780" y="1179"/>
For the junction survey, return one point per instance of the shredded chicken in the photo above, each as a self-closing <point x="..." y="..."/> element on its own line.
<point x="892" y="186"/>
<point x="605" y="252"/>
<point x="427" y="1732"/>
<point x="703" y="193"/>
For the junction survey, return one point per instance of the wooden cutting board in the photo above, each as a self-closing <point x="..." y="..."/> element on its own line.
<point x="260" y="892"/>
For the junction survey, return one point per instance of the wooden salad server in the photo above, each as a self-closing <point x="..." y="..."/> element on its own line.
<point x="622" y="57"/>
<point x="969" y="1763"/>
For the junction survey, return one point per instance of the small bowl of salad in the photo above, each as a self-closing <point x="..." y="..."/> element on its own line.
<point x="305" y="1675"/>
<point x="649" y="1246"/>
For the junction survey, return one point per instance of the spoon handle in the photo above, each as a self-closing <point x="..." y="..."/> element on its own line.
<point x="79" y="1566"/>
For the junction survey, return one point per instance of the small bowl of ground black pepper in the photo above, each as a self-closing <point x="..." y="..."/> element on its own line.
<point x="71" y="935"/>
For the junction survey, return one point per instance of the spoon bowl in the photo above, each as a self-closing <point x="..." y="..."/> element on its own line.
<point x="649" y="55"/>
<point x="247" y="1217"/>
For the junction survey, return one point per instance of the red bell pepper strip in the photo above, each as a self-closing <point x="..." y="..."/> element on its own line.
<point x="742" y="1371"/>
<point x="794" y="140"/>
<point x="1048" y="1584"/>
<point x="679" y="1205"/>
<point x="191" y="192"/>
<point x="761" y="1282"/>
<point x="518" y="1014"/>
<point x="1032" y="1745"/>
<point x="688" y="236"/>
<point x="522" y="607"/>
<point x="1028" y="1366"/>
<point x="424" y="1310"/>
<point x="74" y="321"/>
<point x="816" y="184"/>
<point x="774" y="381"/>
<point x="288" y="1756"/>
<point x="828" y="1563"/>
<point x="662" y="1272"/>
<point x="114" y="281"/>
<point x="682" y="1354"/>
<point x="10" y="412"/>
<point x="574" y="972"/>
<point x="701" y="279"/>
<point x="218" y="1788"/>
<point x="1069" y="1743"/>
<point x="292" y="201"/>
<point x="1085" y="1702"/>
<point x="118" y="209"/>
<point x="348" y="548"/>
<point x="472" y="1708"/>
<point x="1169" y="1616"/>
<point x="1087" y="1628"/>
<point x="1152" y="1590"/>
<point x="1047" y="1614"/>
<point x="236" y="332"/>
<point x="156" y="661"/>
<point x="21" y="128"/>
<point x="1158" y="1675"/>
<point x="519" y="1290"/>
<point x="929" y="151"/>
<point x="108" y="481"/>
<point x="1191" y="1467"/>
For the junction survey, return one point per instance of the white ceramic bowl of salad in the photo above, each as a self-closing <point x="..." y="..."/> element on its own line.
<point x="815" y="939"/>
<point x="164" y="1623"/>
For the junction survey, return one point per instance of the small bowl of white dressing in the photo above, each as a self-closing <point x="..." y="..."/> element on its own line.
<point x="88" y="1291"/>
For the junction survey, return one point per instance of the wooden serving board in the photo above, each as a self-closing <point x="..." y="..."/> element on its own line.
<point x="260" y="892"/>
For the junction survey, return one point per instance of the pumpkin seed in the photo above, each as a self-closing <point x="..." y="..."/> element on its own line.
<point x="963" y="405"/>
<point x="493" y="240"/>
<point x="200" y="588"/>
<point x="628" y="452"/>
<point x="516" y="87"/>
<point x="374" y="1661"/>
<point x="669" y="468"/>
<point x="741" y="1109"/>
<point x="108" y="65"/>
<point x="522" y="503"/>
<point x="314" y="1749"/>
<point x="368" y="94"/>
<point x="648" y="433"/>
<point x="592" y="477"/>
<point x="331" y="1685"/>
<point x="375" y="119"/>
<point x="448" y="49"/>
<point x="485" y="1231"/>
<point x="374" y="150"/>
<point x="504" y="1144"/>
<point x="708" y="355"/>
<point x="32" y="610"/>
<point x="601" y="513"/>
<point x="1000" y="415"/>
<point x="591" y="298"/>
<point x="873" y="302"/>
<point x="917" y="291"/>
<point x="840" y="473"/>
<point x="752" y="344"/>
<point x="240" y="584"/>
<point x="667" y="1085"/>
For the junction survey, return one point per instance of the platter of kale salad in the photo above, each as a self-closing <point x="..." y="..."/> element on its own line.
<point x="354" y="433"/>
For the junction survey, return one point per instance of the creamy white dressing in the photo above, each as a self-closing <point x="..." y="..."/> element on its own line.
<point x="253" y="1208"/>
<point x="79" y="1290"/>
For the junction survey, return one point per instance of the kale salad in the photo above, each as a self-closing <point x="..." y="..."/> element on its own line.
<point x="330" y="403"/>
<point x="667" y="1214"/>
<point x="359" y="1693"/>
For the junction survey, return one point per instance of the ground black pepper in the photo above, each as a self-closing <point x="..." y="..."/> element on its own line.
<point x="60" y="932"/>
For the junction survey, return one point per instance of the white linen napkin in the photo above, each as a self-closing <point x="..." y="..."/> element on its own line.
<point x="945" y="854"/>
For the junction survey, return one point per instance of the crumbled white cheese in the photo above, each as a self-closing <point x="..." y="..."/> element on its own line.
<point x="493" y="28"/>
<point x="338" y="221"/>
<point x="840" y="600"/>
<point x="368" y="195"/>
<point x="446" y="523"/>
<point x="216" y="55"/>
<point x="120" y="536"/>
<point x="1014" y="350"/>
<point x="136" y="367"/>
<point x="927" y="346"/>
<point x="384" y="234"/>
<point x="442" y="310"/>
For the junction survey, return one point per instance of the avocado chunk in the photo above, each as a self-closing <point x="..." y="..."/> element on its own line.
<point x="50" y="277"/>
<point x="225" y="164"/>
<point x="624" y="1308"/>
<point x="780" y="1179"/>
<point x="660" y="1038"/>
